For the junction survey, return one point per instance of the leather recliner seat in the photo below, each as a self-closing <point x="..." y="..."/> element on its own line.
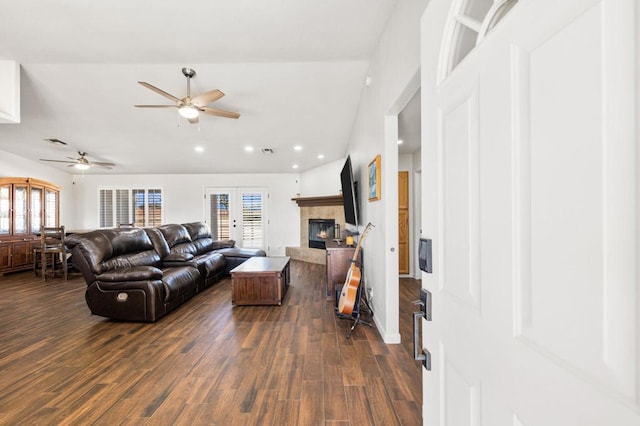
<point x="136" y="274"/>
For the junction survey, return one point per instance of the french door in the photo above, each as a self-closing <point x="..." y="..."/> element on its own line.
<point x="238" y="214"/>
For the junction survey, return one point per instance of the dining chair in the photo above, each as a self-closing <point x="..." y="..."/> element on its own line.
<point x="51" y="244"/>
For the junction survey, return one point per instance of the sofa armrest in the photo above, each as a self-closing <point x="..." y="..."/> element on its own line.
<point x="136" y="273"/>
<point x="127" y="300"/>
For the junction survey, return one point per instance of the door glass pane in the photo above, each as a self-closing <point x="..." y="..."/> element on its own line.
<point x="50" y="208"/>
<point x="36" y="209"/>
<point x="155" y="207"/>
<point x="4" y="209"/>
<point x="219" y="216"/>
<point x="20" y="210"/>
<point x="252" y="223"/>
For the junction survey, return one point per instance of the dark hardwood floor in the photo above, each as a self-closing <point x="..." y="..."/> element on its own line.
<point x="205" y="363"/>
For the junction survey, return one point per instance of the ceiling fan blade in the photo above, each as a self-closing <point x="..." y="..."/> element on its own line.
<point x="219" y="112"/>
<point x="207" y="97"/>
<point x="193" y="120"/>
<point x="59" y="161"/>
<point x="159" y="91"/>
<point x="102" y="164"/>
<point x="156" y="106"/>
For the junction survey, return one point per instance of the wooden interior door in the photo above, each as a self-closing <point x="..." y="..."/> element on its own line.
<point x="403" y="223"/>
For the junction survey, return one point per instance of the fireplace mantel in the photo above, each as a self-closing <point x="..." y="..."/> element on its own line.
<point x="330" y="200"/>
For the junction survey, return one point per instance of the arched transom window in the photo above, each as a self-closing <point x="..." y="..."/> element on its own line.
<point x="469" y="22"/>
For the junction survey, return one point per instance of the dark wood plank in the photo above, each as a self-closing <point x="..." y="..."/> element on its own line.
<point x="208" y="362"/>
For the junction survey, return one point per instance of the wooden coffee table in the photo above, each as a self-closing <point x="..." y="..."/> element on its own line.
<point x="260" y="281"/>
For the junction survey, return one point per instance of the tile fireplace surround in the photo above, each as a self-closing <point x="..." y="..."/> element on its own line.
<point x="329" y="207"/>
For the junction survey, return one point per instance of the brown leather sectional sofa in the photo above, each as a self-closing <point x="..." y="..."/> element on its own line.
<point x="141" y="274"/>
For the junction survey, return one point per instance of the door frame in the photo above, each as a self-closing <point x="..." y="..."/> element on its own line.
<point x="390" y="180"/>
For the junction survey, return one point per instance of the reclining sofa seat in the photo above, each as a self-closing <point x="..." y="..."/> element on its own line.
<point x="203" y="242"/>
<point x="176" y="248"/>
<point x="136" y="274"/>
<point x="125" y="276"/>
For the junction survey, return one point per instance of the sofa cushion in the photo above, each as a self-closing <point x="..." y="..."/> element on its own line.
<point x="178" y="257"/>
<point x="241" y="252"/>
<point x="210" y="264"/>
<point x="179" y="281"/>
<point x="197" y="230"/>
<point x="175" y="234"/>
<point x="220" y="244"/>
<point x="107" y="249"/>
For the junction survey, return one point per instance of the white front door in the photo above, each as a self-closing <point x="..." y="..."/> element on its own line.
<point x="238" y="214"/>
<point x="530" y="155"/>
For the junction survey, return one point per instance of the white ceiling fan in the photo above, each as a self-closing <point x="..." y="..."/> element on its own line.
<point x="82" y="163"/>
<point x="188" y="107"/>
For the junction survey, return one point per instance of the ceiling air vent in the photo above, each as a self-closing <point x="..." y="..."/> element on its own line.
<point x="267" y="150"/>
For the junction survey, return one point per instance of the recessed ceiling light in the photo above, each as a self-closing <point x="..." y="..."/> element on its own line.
<point x="199" y="149"/>
<point x="400" y="141"/>
<point x="248" y="148"/>
<point x="297" y="148"/>
<point x="295" y="166"/>
<point x="320" y="156"/>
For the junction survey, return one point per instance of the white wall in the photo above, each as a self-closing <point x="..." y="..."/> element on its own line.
<point x="394" y="66"/>
<point x="13" y="166"/>
<point x="322" y="181"/>
<point x="184" y="199"/>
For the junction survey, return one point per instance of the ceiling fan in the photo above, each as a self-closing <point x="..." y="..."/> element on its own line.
<point x="81" y="162"/>
<point x="188" y="107"/>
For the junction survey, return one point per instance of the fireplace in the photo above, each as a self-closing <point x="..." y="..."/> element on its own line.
<point x="320" y="230"/>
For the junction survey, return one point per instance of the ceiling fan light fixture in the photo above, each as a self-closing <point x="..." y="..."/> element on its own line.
<point x="188" y="111"/>
<point x="82" y="166"/>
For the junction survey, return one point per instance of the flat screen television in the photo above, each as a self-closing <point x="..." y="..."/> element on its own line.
<point x="349" y="196"/>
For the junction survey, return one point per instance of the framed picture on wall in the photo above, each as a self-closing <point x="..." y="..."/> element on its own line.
<point x="374" y="179"/>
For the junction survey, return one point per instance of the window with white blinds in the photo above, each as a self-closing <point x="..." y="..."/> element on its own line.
<point x="154" y="203"/>
<point x="252" y="220"/>
<point x="142" y="207"/>
<point x="122" y="206"/>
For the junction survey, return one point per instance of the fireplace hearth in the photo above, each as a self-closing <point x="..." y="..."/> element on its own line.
<point x="319" y="231"/>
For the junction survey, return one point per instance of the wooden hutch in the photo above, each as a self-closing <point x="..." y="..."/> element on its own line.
<point x="26" y="204"/>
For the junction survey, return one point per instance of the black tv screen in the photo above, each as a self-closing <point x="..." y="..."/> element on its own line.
<point x="349" y="194"/>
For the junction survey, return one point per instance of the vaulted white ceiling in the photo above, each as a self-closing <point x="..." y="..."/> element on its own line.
<point x="293" y="69"/>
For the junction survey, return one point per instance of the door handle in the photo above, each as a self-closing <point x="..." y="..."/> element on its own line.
<point x="424" y="312"/>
